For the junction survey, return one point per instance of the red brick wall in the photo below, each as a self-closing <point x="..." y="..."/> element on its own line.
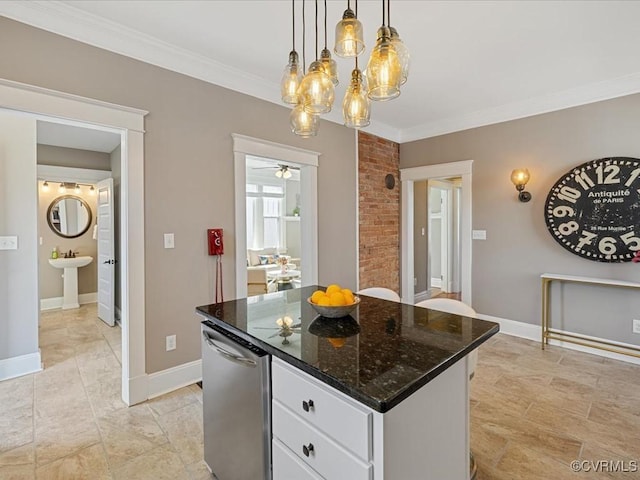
<point x="379" y="212"/>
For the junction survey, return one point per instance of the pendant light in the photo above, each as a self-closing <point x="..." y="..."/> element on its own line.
<point x="349" y="42"/>
<point x="401" y="49"/>
<point x="384" y="71"/>
<point x="292" y="75"/>
<point x="316" y="90"/>
<point x="329" y="64"/>
<point x="303" y="124"/>
<point x="356" y="106"/>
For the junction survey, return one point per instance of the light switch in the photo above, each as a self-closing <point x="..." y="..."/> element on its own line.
<point x="479" y="234"/>
<point x="9" y="243"/>
<point x="169" y="240"/>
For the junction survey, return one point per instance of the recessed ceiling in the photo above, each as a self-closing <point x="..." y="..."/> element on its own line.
<point x="472" y="62"/>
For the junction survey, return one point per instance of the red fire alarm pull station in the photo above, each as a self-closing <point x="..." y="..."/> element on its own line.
<point x="214" y="238"/>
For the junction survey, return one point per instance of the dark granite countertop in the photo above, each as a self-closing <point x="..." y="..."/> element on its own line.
<point x="379" y="355"/>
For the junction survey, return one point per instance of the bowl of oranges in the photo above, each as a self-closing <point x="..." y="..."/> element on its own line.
<point x="334" y="302"/>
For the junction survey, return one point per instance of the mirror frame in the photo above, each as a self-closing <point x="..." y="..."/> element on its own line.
<point x="65" y="197"/>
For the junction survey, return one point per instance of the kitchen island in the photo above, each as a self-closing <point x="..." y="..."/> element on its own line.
<point x="382" y="393"/>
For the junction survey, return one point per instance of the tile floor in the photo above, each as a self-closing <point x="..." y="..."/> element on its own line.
<point x="533" y="413"/>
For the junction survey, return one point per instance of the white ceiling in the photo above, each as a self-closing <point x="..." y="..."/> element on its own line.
<point x="473" y="62"/>
<point x="70" y="136"/>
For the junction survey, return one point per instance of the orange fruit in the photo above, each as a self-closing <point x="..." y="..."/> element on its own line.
<point x="333" y="288"/>
<point x="317" y="295"/>
<point x="337" y="299"/>
<point x="324" y="301"/>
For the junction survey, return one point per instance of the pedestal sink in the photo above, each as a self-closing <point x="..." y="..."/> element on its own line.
<point x="70" y="288"/>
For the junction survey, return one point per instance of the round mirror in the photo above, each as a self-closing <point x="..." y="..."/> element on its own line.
<point x="69" y="216"/>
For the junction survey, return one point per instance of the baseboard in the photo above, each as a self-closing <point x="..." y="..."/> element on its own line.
<point x="534" y="332"/>
<point x="18" y="366"/>
<point x="173" y="378"/>
<point x="418" y="297"/>
<point x="56" y="302"/>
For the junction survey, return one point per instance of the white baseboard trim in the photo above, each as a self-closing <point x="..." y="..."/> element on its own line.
<point x="173" y="378"/>
<point x="56" y="302"/>
<point x="135" y="390"/>
<point x="18" y="366"/>
<point x="534" y="332"/>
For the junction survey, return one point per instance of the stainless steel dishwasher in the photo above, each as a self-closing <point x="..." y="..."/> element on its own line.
<point x="236" y="391"/>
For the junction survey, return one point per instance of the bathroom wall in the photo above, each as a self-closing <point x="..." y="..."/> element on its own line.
<point x="50" y="279"/>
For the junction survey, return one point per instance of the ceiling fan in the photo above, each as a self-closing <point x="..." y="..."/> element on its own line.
<point x="283" y="171"/>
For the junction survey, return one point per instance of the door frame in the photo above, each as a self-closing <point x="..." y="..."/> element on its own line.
<point x="53" y="106"/>
<point x="432" y="172"/>
<point x="308" y="160"/>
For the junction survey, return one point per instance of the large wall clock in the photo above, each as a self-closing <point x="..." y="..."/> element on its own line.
<point x="593" y="210"/>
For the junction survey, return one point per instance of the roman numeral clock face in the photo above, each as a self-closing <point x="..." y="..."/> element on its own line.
<point x="594" y="210"/>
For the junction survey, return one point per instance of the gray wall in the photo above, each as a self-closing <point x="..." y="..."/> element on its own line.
<point x="18" y="217"/>
<point x="72" y="157"/>
<point x="189" y="172"/>
<point x="507" y="266"/>
<point x="50" y="279"/>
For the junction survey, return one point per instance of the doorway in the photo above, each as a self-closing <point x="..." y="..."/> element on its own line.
<point x="35" y="103"/>
<point x="274" y="153"/>
<point x="455" y="180"/>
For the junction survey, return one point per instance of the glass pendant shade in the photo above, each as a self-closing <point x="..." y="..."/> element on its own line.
<point x="316" y="90"/>
<point x="291" y="78"/>
<point x="349" y="37"/>
<point x="403" y="54"/>
<point x="356" y="107"/>
<point x="330" y="66"/>
<point x="302" y="123"/>
<point x="384" y="71"/>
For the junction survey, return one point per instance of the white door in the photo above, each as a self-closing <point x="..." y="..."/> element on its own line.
<point x="440" y="235"/>
<point x="106" y="260"/>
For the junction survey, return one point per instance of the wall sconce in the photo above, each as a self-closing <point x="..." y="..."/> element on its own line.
<point x="520" y="177"/>
<point x="64" y="186"/>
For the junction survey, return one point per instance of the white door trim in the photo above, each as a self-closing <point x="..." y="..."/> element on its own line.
<point x="308" y="161"/>
<point x="443" y="170"/>
<point x="69" y="109"/>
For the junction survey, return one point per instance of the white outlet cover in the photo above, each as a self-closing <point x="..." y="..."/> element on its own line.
<point x="636" y="326"/>
<point x="479" y="234"/>
<point x="169" y="240"/>
<point x="9" y="243"/>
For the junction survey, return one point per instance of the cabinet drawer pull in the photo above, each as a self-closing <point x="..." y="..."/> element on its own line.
<point x="307" y="449"/>
<point x="306" y="405"/>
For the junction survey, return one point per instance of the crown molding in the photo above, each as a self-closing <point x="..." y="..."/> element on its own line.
<point x="591" y="93"/>
<point x="71" y="22"/>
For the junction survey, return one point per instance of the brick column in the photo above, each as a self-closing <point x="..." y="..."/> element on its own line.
<point x="379" y="212"/>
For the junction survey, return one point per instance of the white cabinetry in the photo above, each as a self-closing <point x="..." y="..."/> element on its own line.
<point x="319" y="432"/>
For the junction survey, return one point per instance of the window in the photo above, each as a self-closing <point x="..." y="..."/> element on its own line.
<point x="264" y="216"/>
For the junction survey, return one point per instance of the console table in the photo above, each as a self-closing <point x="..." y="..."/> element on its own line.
<point x="584" y="340"/>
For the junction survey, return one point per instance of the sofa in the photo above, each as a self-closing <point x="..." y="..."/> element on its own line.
<point x="259" y="262"/>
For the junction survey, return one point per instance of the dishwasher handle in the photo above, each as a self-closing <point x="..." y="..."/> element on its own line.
<point x="248" y="362"/>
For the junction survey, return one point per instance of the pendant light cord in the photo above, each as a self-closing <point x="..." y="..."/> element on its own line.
<point x="317" y="29"/>
<point x="293" y="23"/>
<point x="389" y="12"/>
<point x="348" y="6"/>
<point x="325" y="24"/>
<point x="304" y="43"/>
<point x="384" y="24"/>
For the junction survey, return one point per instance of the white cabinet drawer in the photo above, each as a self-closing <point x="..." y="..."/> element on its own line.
<point x="340" y="418"/>
<point x="314" y="448"/>
<point x="287" y="466"/>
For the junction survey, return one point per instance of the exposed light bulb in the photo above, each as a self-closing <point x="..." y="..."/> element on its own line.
<point x="330" y="66"/>
<point x="291" y="78"/>
<point x="286" y="173"/>
<point x="62" y="188"/>
<point x="45" y="186"/>
<point x="356" y="107"/>
<point x="403" y="55"/>
<point x="384" y="70"/>
<point x="303" y="123"/>
<point x="92" y="190"/>
<point x="316" y="90"/>
<point x="279" y="173"/>
<point x="77" y="189"/>
<point x="349" y="38"/>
